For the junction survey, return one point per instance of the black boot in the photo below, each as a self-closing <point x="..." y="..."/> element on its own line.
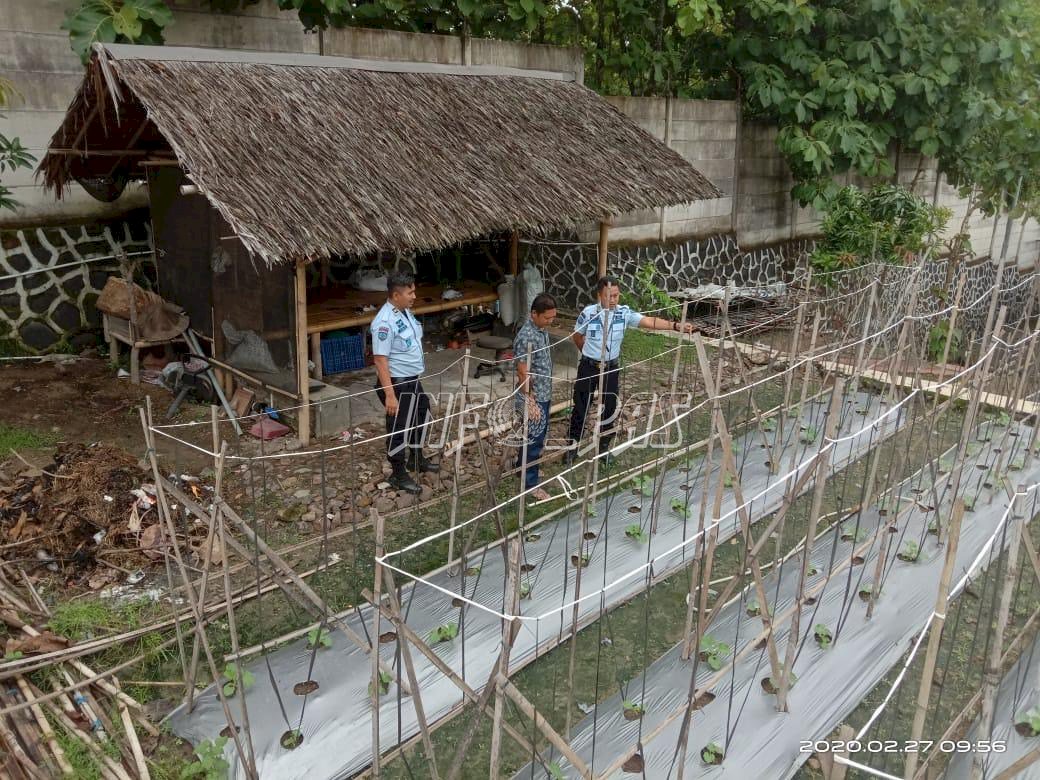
<point x="419" y="463"/>
<point x="402" y="480"/>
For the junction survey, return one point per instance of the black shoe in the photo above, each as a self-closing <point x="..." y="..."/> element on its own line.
<point x="423" y="466"/>
<point x="402" y="481"/>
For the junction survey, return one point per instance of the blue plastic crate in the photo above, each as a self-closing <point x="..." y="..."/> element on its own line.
<point x="342" y="353"/>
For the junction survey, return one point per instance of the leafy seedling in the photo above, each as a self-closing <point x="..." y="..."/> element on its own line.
<point x="384" y="683"/>
<point x="754" y="609"/>
<point x="809" y="435"/>
<point x="812" y="571"/>
<point x="525" y="591"/>
<point x="772" y="684"/>
<point x="580" y="561"/>
<point x="1018" y="463"/>
<point x="769" y="424"/>
<point x="850" y="533"/>
<point x="712" y="753"/>
<point x="210" y="763"/>
<point x="933" y="526"/>
<point x="444" y="633"/>
<point x="727" y="481"/>
<point x="555" y="772"/>
<point x="644" y="485"/>
<point x="14" y="656"/>
<point x="635" y="532"/>
<point x="910" y="552"/>
<point x="1003" y="419"/>
<point x="679" y="506"/>
<point x="969" y="503"/>
<point x="866" y="590"/>
<point x="1028" y="723"/>
<point x="632" y="710"/>
<point x="472" y="571"/>
<point x="230" y="686"/>
<point x="823" y="635"/>
<point x="713" y="652"/>
<point x="318" y="637"/>
<point x="291" y="739"/>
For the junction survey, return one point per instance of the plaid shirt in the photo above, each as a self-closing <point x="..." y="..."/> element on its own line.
<point x="541" y="359"/>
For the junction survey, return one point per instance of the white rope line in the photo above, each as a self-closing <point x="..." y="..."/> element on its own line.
<point x="643" y="567"/>
<point x="954" y="592"/>
<point x="863" y="767"/>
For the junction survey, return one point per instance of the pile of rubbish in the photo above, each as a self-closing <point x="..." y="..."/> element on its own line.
<point x="89" y="515"/>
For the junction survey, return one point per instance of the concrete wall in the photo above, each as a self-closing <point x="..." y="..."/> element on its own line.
<point x="757" y="205"/>
<point x="35" y="54"/>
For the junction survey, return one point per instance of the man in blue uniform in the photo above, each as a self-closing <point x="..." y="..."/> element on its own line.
<point x="602" y="326"/>
<point x="398" y="355"/>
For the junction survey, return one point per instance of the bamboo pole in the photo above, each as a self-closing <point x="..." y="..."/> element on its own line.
<point x="377" y="589"/>
<point x="409" y="667"/>
<point x="543" y="726"/>
<point x="991" y="671"/>
<point x="455" y="494"/>
<point x="526" y="438"/>
<point x="45" y="727"/>
<point x="935" y="638"/>
<point x="166" y="518"/>
<point x="826" y="450"/>
<point x="511" y="606"/>
<point x="303" y="374"/>
<point x="601" y="250"/>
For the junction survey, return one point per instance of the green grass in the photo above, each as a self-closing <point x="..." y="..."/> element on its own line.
<point x="14" y="438"/>
<point x="640" y="345"/>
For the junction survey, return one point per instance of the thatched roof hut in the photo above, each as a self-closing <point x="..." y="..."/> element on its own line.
<point x="308" y="156"/>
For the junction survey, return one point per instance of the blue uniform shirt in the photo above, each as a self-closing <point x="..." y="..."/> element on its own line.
<point x="397" y="335"/>
<point x="593" y="319"/>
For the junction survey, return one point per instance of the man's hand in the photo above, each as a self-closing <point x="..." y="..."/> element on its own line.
<point x="687" y="327"/>
<point x="391" y="404"/>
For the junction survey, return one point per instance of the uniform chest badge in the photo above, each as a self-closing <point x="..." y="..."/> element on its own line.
<point x="383" y="333"/>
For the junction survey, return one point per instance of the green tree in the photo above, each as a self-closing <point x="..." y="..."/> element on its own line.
<point x="12" y="154"/>
<point x="848" y="80"/>
<point x="115" y="21"/>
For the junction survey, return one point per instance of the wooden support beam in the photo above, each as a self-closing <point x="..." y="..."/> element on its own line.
<point x="542" y="725"/>
<point x="601" y="254"/>
<point x="302" y="371"/>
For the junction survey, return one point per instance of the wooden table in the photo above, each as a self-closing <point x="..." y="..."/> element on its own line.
<point x="340" y="307"/>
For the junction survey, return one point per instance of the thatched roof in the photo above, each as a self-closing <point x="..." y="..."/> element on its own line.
<point x="310" y="156"/>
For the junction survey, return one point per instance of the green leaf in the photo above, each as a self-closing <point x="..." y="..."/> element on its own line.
<point x="126" y="22"/>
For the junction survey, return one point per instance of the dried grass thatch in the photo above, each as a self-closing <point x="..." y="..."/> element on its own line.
<point x="306" y="162"/>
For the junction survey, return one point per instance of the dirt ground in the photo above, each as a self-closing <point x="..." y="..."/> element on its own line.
<point x="74" y="399"/>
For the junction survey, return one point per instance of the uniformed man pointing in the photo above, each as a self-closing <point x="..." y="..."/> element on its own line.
<point x="398" y="355"/>
<point x="602" y="326"/>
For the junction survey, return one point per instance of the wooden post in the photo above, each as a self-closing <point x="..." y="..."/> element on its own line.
<point x="302" y="371"/>
<point x="991" y="671"/>
<point x="523" y="445"/>
<point x="679" y="345"/>
<point x="601" y="269"/>
<point x="826" y="451"/>
<point x="961" y="278"/>
<point x="511" y="599"/>
<point x="377" y="589"/>
<point x="409" y="667"/>
<point x="458" y="461"/>
<point x="542" y="725"/>
<point x="932" y="653"/>
<point x="514" y="254"/>
<point x="166" y="519"/>
<point x="232" y="625"/>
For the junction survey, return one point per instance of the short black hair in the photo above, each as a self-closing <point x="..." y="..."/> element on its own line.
<point x="542" y="303"/>
<point x="398" y="280"/>
<point x="605" y="282"/>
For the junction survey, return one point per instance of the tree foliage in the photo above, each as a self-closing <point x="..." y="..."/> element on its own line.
<point x="888" y="224"/>
<point x="848" y="80"/>
<point x="12" y="154"/>
<point x="115" y="21"/>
